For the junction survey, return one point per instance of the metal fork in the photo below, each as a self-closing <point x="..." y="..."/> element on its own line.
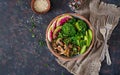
<point x="107" y="29"/>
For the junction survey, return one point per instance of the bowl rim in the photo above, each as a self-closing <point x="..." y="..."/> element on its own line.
<point x="80" y="56"/>
<point x="33" y="9"/>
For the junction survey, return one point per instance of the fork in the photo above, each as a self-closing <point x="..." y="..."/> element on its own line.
<point x="107" y="28"/>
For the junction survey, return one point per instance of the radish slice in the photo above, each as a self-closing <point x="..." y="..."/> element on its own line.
<point x="63" y="19"/>
<point x="50" y="33"/>
<point x="55" y="33"/>
<point x="53" y="25"/>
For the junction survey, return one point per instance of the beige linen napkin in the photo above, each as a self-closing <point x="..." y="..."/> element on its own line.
<point x="100" y="15"/>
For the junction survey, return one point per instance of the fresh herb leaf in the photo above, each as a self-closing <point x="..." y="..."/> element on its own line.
<point x="62" y="73"/>
<point x="33" y="35"/>
<point x="41" y="43"/>
<point x="46" y="65"/>
<point x="33" y="25"/>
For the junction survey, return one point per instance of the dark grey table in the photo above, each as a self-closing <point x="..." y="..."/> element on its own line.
<point x="21" y="52"/>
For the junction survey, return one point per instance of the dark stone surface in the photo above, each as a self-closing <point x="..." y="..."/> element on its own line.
<point x="20" y="53"/>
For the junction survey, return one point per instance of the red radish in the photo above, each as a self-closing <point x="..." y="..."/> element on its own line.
<point x="56" y="26"/>
<point x="55" y="33"/>
<point x="50" y="34"/>
<point x="63" y="19"/>
<point x="53" y="25"/>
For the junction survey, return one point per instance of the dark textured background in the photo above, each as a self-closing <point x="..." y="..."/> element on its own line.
<point x="20" y="53"/>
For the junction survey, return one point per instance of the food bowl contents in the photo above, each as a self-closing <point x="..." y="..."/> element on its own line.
<point x="69" y="36"/>
<point x="41" y="5"/>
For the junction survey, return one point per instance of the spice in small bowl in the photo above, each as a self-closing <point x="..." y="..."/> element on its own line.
<point x="40" y="6"/>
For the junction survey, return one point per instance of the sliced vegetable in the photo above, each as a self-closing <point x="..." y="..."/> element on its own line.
<point x="54" y="25"/>
<point x="50" y="33"/>
<point x="89" y="36"/>
<point x="83" y="49"/>
<point x="55" y="33"/>
<point x="63" y="19"/>
<point x="90" y="33"/>
<point x="87" y="41"/>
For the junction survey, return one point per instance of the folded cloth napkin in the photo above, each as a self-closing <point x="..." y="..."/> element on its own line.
<point x="104" y="18"/>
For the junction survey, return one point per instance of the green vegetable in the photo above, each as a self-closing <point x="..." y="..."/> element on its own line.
<point x="74" y="49"/>
<point x="90" y="33"/>
<point x="82" y="43"/>
<point x="83" y="49"/>
<point x="81" y="26"/>
<point x="89" y="37"/>
<point x="60" y="35"/>
<point x="67" y="41"/>
<point x="87" y="41"/>
<point x="68" y="29"/>
<point x="77" y="40"/>
<point x="72" y="21"/>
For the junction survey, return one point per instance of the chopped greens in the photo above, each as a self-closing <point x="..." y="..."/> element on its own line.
<point x="68" y="30"/>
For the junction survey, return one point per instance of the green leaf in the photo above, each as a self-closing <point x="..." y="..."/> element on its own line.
<point x="33" y="35"/>
<point x="41" y="42"/>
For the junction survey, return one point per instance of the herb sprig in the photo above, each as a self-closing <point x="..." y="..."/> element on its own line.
<point x="32" y="28"/>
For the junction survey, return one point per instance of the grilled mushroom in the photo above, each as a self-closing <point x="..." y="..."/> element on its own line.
<point x="59" y="42"/>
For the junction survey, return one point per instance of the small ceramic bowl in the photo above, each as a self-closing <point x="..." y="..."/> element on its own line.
<point x="80" y="56"/>
<point x="45" y="11"/>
